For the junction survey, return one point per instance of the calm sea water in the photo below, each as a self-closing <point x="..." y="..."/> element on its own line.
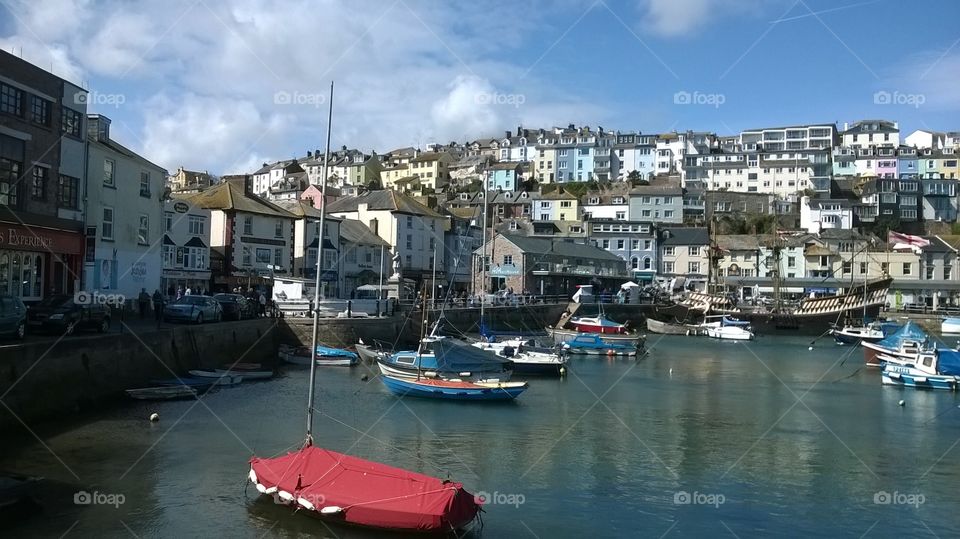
<point x="766" y="439"/>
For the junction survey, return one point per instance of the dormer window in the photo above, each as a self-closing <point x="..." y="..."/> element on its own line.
<point x="593" y="200"/>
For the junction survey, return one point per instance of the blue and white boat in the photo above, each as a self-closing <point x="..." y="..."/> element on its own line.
<point x="324" y="356"/>
<point x="905" y="343"/>
<point x="933" y="369"/>
<point x="858" y="333"/>
<point x="445" y="358"/>
<point x="592" y="344"/>
<point x="454" y="389"/>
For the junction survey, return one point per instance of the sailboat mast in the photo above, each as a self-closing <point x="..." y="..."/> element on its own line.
<point x="484" y="263"/>
<point x="316" y="289"/>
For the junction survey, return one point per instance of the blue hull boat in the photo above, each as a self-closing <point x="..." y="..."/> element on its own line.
<point x="933" y="369"/>
<point x="454" y="390"/>
<point x="592" y="344"/>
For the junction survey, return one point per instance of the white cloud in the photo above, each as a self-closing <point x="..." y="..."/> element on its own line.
<point x="200" y="79"/>
<point x="673" y="18"/>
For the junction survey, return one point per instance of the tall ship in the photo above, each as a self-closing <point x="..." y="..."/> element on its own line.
<point x="808" y="316"/>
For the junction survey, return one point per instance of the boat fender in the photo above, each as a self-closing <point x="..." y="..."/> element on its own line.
<point x="306" y="503"/>
<point x="331" y="510"/>
<point x="270" y="490"/>
<point x="261" y="489"/>
<point x="253" y="476"/>
<point x="154" y="417"/>
<point x="901" y="403"/>
<point x="610" y="352"/>
<point x="285" y="496"/>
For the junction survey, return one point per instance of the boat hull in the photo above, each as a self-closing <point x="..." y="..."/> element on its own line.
<point x="561" y="336"/>
<point x="248" y="375"/>
<point x="666" y="328"/>
<point x="925" y="381"/>
<point x="460" y="391"/>
<point x="950" y="326"/>
<point x="729" y="334"/>
<point x="162" y="393"/>
<point x="322" y="361"/>
<point x="538" y="368"/>
<point x="388" y="368"/>
<point x="367" y="353"/>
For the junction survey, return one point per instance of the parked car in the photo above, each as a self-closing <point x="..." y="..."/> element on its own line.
<point x="193" y="308"/>
<point x="61" y="314"/>
<point x="236" y="307"/>
<point x="13" y="317"/>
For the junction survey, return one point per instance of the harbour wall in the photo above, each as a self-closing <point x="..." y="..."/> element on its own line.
<point x="46" y="379"/>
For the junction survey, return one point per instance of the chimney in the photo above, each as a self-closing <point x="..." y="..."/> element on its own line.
<point x="506" y="134"/>
<point x="518" y="130"/>
<point x="344" y="147"/>
<point x="571" y="127"/>
<point x="247" y="187"/>
<point x="600" y="130"/>
<point x="98" y="127"/>
<point x="845" y="126"/>
<point x="309" y="154"/>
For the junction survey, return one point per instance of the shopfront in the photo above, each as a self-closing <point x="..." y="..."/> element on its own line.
<point x="37" y="262"/>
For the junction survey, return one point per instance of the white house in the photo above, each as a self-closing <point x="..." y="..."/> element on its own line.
<point x="414" y="231"/>
<point x="821" y="214"/>
<point x="123" y="205"/>
<point x="871" y="133"/>
<point x="251" y="236"/>
<point x="185" y="248"/>
<point x="306" y="242"/>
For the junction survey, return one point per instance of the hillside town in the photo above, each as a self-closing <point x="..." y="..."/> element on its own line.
<point x="535" y="211"/>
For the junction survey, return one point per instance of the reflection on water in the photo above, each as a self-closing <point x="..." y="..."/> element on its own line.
<point x="767" y="438"/>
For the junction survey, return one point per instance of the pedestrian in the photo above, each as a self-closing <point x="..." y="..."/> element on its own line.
<point x="157" y="305"/>
<point x="189" y="292"/>
<point x="144" y="301"/>
<point x="263" y="304"/>
<point x="179" y="292"/>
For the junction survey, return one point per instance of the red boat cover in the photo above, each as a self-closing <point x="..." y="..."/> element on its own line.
<point x="369" y="493"/>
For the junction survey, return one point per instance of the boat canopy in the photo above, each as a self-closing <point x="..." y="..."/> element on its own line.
<point x="948" y="361"/>
<point x="454" y="356"/>
<point x="364" y="493"/>
<point x="909" y="332"/>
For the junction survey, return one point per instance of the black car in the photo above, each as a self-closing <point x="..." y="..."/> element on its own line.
<point x="236" y="307"/>
<point x="61" y="314"/>
<point x="13" y="317"/>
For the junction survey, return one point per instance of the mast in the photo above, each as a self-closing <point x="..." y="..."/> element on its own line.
<point x="316" y="289"/>
<point x="484" y="262"/>
<point x="380" y="287"/>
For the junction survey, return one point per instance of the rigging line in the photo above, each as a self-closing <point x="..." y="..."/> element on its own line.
<point x="952" y="407"/>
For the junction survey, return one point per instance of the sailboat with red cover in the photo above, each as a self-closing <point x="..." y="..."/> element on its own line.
<point x="348" y="490"/>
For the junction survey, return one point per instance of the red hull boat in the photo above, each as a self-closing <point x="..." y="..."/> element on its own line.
<point x="349" y="490"/>
<point x="599" y="324"/>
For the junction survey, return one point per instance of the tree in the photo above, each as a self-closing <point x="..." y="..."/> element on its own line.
<point x="634" y="176"/>
<point x="374" y="185"/>
<point x="883" y="225"/>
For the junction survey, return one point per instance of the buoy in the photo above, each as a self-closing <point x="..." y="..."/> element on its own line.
<point x="364" y="377"/>
<point x="563" y="371"/>
<point x="809" y="348"/>
<point x="610" y="352"/>
<point x="154" y="417"/>
<point x="901" y="403"/>
<point x="671" y="370"/>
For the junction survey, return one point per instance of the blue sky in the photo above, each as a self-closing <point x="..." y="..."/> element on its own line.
<point x="225" y="86"/>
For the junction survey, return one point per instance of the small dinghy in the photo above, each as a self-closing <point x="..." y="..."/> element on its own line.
<point x="247" y="375"/>
<point x="591" y="344"/>
<point x="162" y="393"/>
<point x="325" y="356"/>
<point x="219" y="377"/>
<point x="242" y="367"/>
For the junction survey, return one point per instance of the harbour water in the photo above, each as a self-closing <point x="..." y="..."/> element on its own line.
<point x="699" y="438"/>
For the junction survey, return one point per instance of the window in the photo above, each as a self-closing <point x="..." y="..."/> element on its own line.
<point x="668" y="267"/>
<point x="167" y="221"/>
<point x="621" y="244"/>
<point x="248" y="225"/>
<point x="668" y="251"/>
<point x="907" y="267"/>
<point x="409" y="221"/>
<point x="863" y="268"/>
<point x="645" y="213"/>
<point x="196" y="225"/>
<point x="605" y="244"/>
<point x="278" y="258"/>
<point x="108" y="172"/>
<point x="169" y="256"/>
<point x="11" y="165"/>
<point x="409" y="241"/>
<point x="39" y="110"/>
<point x="70" y="121"/>
<point x="885" y="268"/>
<point x="263" y="256"/>
<point x="247" y="256"/>
<point x="693" y="267"/>
<point x="278" y="229"/>
<point x="565" y="203"/>
<point x="432" y="244"/>
<point x="38" y="184"/>
<point x="143" y="231"/>
<point x="668" y="214"/>
<point x="144" y="184"/>
<point x="507" y="260"/>
<point x="847" y="268"/>
<point x="647" y="245"/>
<point x="11" y="100"/>
<point x="621" y="216"/>
<point x="694" y="250"/>
<point x="67" y="192"/>
<point x="106" y="224"/>
<point x="791" y="261"/>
